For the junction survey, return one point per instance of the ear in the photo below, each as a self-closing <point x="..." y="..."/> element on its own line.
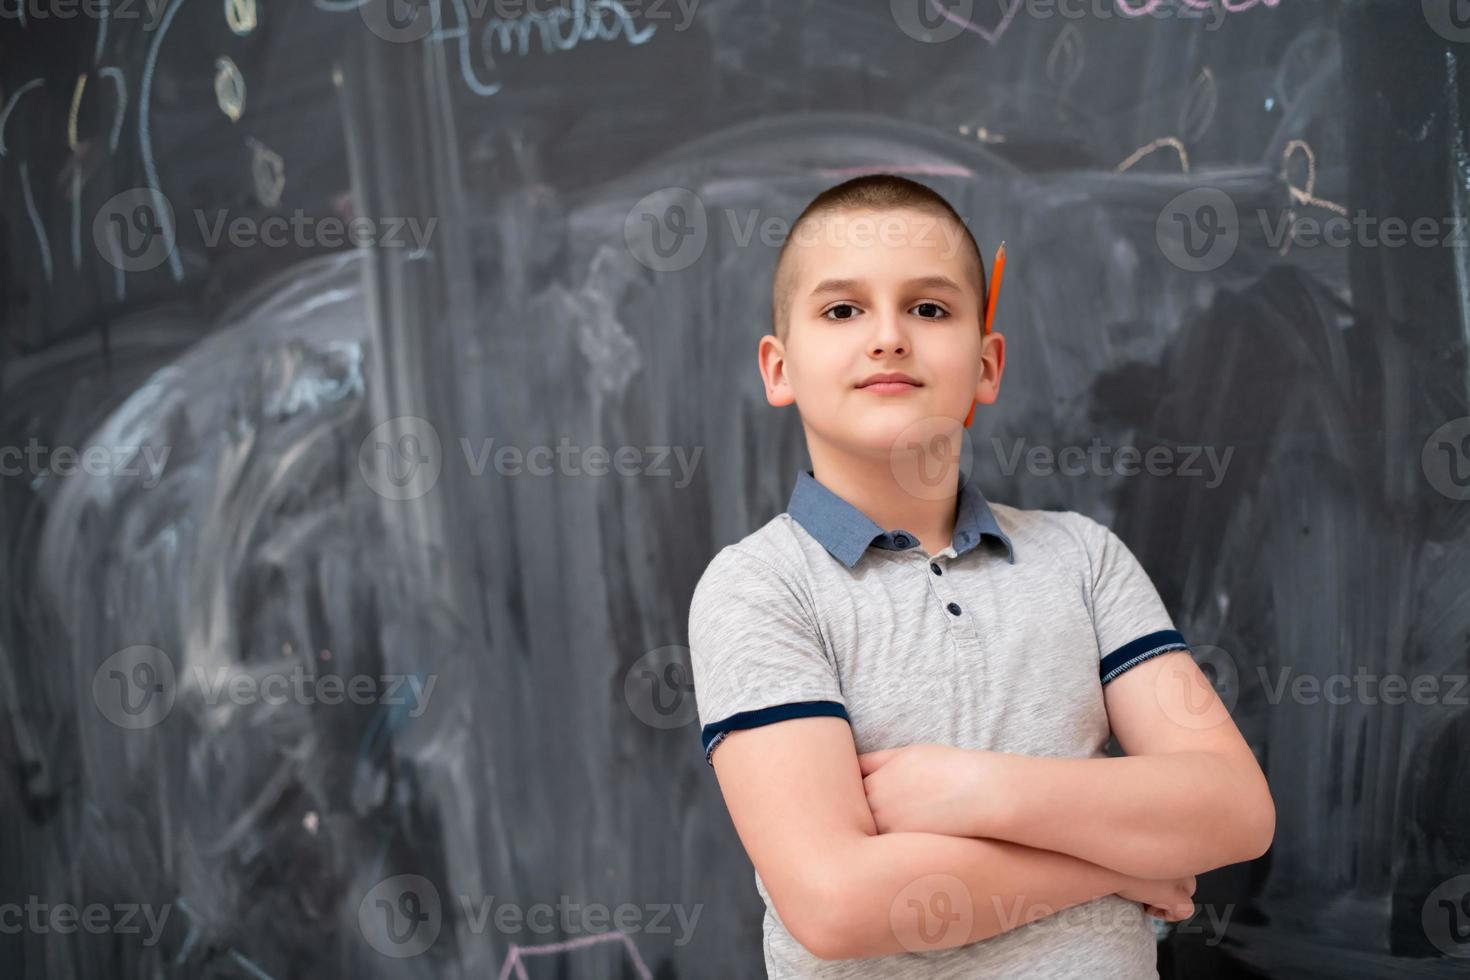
<point x="992" y="364"/>
<point x="771" y="355"/>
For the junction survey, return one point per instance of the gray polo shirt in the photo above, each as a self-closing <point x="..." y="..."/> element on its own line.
<point x="1001" y="641"/>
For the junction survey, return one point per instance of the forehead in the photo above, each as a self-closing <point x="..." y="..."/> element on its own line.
<point x="886" y="243"/>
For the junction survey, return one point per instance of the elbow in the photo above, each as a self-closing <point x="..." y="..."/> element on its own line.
<point x="832" y="913"/>
<point x="1263" y="830"/>
<point x="1257" y="821"/>
<point x="823" y="923"/>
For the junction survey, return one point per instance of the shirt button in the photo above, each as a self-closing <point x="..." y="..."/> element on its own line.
<point x="935" y="566"/>
<point x="954" y="608"/>
<point x="901" y="540"/>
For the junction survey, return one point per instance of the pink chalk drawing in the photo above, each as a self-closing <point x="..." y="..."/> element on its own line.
<point x="1146" y="7"/>
<point x="515" y="961"/>
<point x="991" y="35"/>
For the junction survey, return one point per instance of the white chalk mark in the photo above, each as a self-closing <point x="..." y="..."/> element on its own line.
<point x="983" y="134"/>
<point x="102" y="19"/>
<point x="465" y="68"/>
<point x="1065" y="61"/>
<point x="1144" y="151"/>
<point x="269" y="173"/>
<point x="1199" y="106"/>
<point x="76" y="218"/>
<point x="71" y="113"/>
<point x="339" y="6"/>
<point x="242" y="16"/>
<point x="25" y="186"/>
<point x="122" y="105"/>
<point x="145" y="141"/>
<point x="229" y="87"/>
<point x="10" y="105"/>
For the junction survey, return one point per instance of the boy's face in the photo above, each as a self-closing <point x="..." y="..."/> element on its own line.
<point x="877" y="292"/>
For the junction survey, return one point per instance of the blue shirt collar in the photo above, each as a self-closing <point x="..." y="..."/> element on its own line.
<point x="847" y="532"/>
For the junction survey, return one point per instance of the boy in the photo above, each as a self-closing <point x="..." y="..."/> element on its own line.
<point x="905" y="691"/>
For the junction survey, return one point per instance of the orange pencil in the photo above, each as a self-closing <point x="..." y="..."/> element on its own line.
<point x="999" y="270"/>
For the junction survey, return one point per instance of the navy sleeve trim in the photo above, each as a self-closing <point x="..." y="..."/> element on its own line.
<point x="715" y="732"/>
<point x="1136" y="652"/>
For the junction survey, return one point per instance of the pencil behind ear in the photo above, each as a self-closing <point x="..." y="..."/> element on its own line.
<point x="998" y="270"/>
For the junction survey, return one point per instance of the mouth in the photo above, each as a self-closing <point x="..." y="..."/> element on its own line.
<point x="892" y="383"/>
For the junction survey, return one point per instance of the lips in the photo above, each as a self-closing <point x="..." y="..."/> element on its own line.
<point x="889" y="381"/>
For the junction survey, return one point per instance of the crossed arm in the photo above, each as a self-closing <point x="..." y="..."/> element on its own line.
<point x="847" y="845"/>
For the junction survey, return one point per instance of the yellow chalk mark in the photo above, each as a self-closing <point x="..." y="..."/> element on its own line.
<point x="1303" y="195"/>
<point x="71" y="116"/>
<point x="1158" y="144"/>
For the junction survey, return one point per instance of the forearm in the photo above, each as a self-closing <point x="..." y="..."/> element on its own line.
<point x="1155" y="816"/>
<point x="919" y="892"/>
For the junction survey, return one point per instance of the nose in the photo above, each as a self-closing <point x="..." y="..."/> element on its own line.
<point x="889" y="332"/>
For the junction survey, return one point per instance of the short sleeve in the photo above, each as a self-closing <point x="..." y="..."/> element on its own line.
<point x="756" y="654"/>
<point x="1130" y="619"/>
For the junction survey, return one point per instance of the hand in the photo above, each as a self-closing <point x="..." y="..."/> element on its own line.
<point x="1170" y="899"/>
<point x="936" y="789"/>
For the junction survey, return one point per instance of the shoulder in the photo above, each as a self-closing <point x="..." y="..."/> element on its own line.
<point x="1053" y="532"/>
<point x="768" y="560"/>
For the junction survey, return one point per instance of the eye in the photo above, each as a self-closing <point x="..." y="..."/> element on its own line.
<point x="931" y="307"/>
<point x="839" y="306"/>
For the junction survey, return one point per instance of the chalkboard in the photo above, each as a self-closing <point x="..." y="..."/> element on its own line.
<point x="413" y="346"/>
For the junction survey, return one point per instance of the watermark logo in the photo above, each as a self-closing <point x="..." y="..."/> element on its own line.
<point x="1446" y="917"/>
<point x="934" y="22"/>
<point x="401" y="916"/>
<point x="134" y="688"/>
<point x="1450" y="19"/>
<point x="401" y="458"/>
<point x="934" y="912"/>
<point x="659" y="688"/>
<point x="401" y="21"/>
<point x="667" y="230"/>
<point x="1199" y="229"/>
<point x="928" y="449"/>
<point x="1446" y="458"/>
<point x="134" y="230"/>
<point x="1203" y="698"/>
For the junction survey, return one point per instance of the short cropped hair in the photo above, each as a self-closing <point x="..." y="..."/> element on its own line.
<point x="870" y="192"/>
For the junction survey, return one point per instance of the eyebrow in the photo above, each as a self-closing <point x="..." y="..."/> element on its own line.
<point x="827" y="286"/>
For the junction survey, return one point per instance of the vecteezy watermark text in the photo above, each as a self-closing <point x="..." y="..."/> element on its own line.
<point x="36" y="459"/>
<point x="136" y="230"/>
<point x="669" y="230"/>
<point x="120" y="918"/>
<point x="1099" y="459"/>
<point x="137" y="687"/>
<point x="402" y="916"/>
<point x="1200" y="229"/>
<point x="403" y="457"/>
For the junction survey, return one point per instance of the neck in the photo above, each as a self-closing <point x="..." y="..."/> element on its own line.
<point x="918" y="493"/>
